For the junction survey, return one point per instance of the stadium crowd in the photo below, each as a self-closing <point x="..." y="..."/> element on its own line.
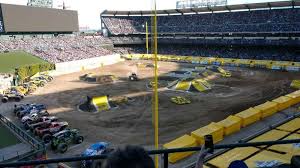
<point x="276" y="20"/>
<point x="1" y="24"/>
<point x="242" y="52"/>
<point x="59" y="49"/>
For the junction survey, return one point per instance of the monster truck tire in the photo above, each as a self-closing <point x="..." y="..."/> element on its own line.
<point x="18" y="114"/>
<point x="4" y="100"/>
<point x="46" y="138"/>
<point x="79" y="139"/>
<point x="62" y="148"/>
<point x="42" y="84"/>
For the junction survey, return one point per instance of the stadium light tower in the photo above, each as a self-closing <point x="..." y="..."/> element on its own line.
<point x="40" y="3"/>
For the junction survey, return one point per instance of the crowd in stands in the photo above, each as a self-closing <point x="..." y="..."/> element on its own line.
<point x="246" y="52"/>
<point x="276" y="20"/>
<point x="59" y="49"/>
<point x="1" y="25"/>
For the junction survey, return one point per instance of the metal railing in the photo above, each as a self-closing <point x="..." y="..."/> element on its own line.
<point x="164" y="152"/>
<point x="36" y="145"/>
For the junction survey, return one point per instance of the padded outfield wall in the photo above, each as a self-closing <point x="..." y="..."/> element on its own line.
<point x="85" y="64"/>
<point x="18" y="18"/>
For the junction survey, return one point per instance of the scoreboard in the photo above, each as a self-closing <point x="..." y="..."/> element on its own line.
<point x="18" y="18"/>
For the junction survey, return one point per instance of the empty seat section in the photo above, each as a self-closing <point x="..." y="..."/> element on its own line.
<point x="235" y="154"/>
<point x="290" y="126"/>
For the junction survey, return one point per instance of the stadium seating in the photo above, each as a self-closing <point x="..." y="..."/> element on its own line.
<point x="272" y="21"/>
<point x="59" y="49"/>
<point x="258" y="53"/>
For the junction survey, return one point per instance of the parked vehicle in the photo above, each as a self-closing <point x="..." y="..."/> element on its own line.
<point x="62" y="139"/>
<point x="95" y="149"/>
<point x="46" y="131"/>
<point x="36" y="117"/>
<point x="41" y="109"/>
<point x="11" y="95"/>
<point x="21" y="107"/>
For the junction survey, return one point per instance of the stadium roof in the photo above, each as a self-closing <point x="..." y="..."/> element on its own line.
<point x="250" y="6"/>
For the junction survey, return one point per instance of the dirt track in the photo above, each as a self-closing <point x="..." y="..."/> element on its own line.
<point x="131" y="124"/>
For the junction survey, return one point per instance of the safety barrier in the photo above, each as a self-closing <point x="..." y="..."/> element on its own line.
<point x="85" y="64"/>
<point x="23" y="134"/>
<point x="267" y="109"/>
<point x="230" y="125"/>
<point x="212" y="129"/>
<point x="295" y="84"/>
<point x="184" y="141"/>
<point x="36" y="145"/>
<point x="267" y="64"/>
<point x="234" y="123"/>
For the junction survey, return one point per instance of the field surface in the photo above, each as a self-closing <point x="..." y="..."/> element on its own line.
<point x="132" y="123"/>
<point x="10" y="61"/>
<point x="7" y="138"/>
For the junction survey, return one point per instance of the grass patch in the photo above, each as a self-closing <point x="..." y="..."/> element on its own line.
<point x="7" y="137"/>
<point x="11" y="60"/>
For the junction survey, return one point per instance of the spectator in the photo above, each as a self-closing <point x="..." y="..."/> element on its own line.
<point x="238" y="164"/>
<point x="278" y="20"/>
<point x="129" y="157"/>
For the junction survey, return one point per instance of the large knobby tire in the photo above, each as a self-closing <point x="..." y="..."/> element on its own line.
<point x="18" y="114"/>
<point x="4" y="100"/>
<point x="62" y="148"/>
<point x="79" y="139"/>
<point x="18" y="99"/>
<point x="46" y="138"/>
<point x="42" y="84"/>
<point x="50" y="78"/>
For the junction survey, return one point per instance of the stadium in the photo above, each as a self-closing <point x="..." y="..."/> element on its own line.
<point x="206" y="75"/>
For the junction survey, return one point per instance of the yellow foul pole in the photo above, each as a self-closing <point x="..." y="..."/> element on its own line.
<point x="155" y="109"/>
<point x="147" y="44"/>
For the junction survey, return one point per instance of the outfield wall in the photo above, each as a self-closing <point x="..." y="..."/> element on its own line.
<point x="79" y="65"/>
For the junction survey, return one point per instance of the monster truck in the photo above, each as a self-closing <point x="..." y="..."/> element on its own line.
<point x="12" y="95"/>
<point x="46" y="132"/>
<point x="62" y="139"/>
<point x="21" y="107"/>
<point x="95" y="149"/>
<point x="31" y="109"/>
<point x="36" y="117"/>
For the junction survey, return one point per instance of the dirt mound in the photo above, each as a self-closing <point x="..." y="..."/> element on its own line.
<point x="105" y="79"/>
